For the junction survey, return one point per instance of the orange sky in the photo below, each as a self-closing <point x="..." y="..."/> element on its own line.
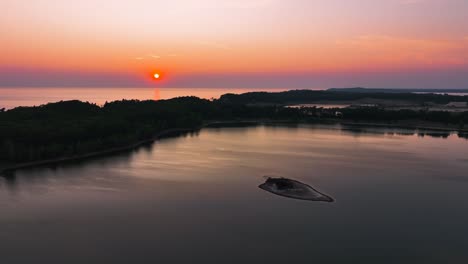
<point x="234" y="36"/>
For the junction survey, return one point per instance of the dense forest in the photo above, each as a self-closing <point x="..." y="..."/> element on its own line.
<point x="71" y="128"/>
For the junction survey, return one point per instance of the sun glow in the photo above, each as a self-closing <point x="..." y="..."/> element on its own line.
<point x="156" y="76"/>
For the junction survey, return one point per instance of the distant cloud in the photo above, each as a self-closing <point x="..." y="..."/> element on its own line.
<point x="156" y="57"/>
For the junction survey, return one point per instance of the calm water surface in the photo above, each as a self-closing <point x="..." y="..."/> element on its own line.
<point x="400" y="198"/>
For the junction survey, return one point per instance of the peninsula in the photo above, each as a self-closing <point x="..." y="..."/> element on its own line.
<point x="72" y="129"/>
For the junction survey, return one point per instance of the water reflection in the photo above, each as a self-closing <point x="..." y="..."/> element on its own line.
<point x="360" y="130"/>
<point x="194" y="199"/>
<point x="157" y="94"/>
<point x="463" y="135"/>
<point x="11" y="178"/>
<point x="41" y="173"/>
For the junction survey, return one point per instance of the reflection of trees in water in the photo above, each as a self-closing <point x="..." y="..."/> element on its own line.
<point x="438" y="134"/>
<point x="176" y="134"/>
<point x="356" y="130"/>
<point x="12" y="181"/>
<point x="406" y="133"/>
<point x="42" y="173"/>
<point x="15" y="179"/>
<point x="9" y="179"/>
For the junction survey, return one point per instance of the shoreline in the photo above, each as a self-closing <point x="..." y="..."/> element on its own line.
<point x="406" y="126"/>
<point x="18" y="166"/>
<point x="4" y="171"/>
<point x="10" y="168"/>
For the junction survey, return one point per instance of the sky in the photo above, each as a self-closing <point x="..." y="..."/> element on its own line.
<point x="234" y="43"/>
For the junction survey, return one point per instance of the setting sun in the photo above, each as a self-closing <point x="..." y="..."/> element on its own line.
<point x="184" y="118"/>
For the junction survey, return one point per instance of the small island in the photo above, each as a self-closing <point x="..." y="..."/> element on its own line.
<point x="294" y="189"/>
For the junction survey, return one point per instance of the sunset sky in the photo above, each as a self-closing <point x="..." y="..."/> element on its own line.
<point x="235" y="43"/>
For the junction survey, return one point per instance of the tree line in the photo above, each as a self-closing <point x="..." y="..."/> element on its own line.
<point x="71" y="128"/>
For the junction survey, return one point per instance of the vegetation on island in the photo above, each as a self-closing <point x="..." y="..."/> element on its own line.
<point x="73" y="128"/>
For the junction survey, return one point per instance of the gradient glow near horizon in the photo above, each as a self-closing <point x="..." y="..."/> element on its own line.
<point x="198" y="40"/>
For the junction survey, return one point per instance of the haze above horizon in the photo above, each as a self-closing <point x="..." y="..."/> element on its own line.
<point x="234" y="43"/>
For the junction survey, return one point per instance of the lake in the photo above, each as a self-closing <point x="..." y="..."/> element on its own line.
<point x="13" y="97"/>
<point x="401" y="197"/>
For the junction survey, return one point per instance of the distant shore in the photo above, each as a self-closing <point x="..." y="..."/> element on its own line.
<point x="10" y="168"/>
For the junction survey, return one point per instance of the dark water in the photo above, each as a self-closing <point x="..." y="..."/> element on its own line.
<point x="400" y="198"/>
